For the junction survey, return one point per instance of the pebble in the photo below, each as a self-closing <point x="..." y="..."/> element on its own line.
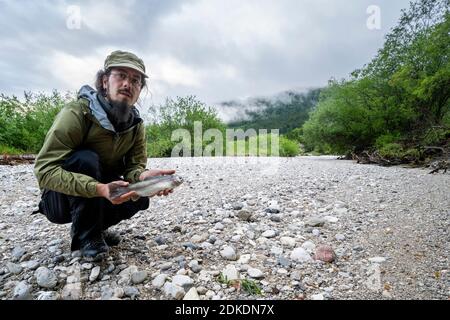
<point x="173" y="291"/>
<point x="47" y="295"/>
<point x="131" y="292"/>
<point x="276" y="217"/>
<point x="183" y="281"/>
<point x="230" y="273"/>
<point x="317" y="297"/>
<point x="325" y="253"/>
<point x="339" y="237"/>
<point x="45" y="278"/>
<point x="194" y="266"/>
<point x="138" y="277"/>
<point x="309" y="246"/>
<point x="288" y="242"/>
<point x="300" y="255"/>
<point x="244" y="215"/>
<point x="237" y="205"/>
<point x="22" y="291"/>
<point x="228" y="253"/>
<point x="192" y="294"/>
<point x="269" y="233"/>
<point x="377" y="259"/>
<point x="159" y="280"/>
<point x="255" y="273"/>
<point x="315" y="222"/>
<point x="14" y="268"/>
<point x="95" y="272"/>
<point x="17" y="253"/>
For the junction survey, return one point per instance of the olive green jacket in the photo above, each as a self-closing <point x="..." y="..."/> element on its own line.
<point x="83" y="124"/>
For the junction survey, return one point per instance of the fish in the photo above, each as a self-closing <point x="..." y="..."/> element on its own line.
<point x="147" y="187"/>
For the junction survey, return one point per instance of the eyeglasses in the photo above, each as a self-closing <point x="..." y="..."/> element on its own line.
<point x="122" y="76"/>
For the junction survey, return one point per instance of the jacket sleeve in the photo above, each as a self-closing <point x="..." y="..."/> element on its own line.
<point x="136" y="157"/>
<point x="65" y="135"/>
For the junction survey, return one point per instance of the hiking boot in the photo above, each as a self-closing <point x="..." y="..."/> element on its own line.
<point x="94" y="248"/>
<point x="111" y="238"/>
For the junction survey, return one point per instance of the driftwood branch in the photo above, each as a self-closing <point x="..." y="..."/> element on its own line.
<point x="12" y="160"/>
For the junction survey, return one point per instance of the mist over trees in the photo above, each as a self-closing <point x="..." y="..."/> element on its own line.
<point x="399" y="101"/>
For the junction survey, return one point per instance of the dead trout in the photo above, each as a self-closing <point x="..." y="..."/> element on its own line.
<point x="148" y="187"/>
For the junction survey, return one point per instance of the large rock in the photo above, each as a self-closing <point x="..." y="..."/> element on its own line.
<point x="45" y="278"/>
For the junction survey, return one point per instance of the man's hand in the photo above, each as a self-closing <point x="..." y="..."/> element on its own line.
<point x="157" y="172"/>
<point x="104" y="190"/>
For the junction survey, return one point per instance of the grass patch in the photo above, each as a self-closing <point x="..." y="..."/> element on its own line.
<point x="247" y="285"/>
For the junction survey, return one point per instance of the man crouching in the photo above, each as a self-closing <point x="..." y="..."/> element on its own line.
<point x="95" y="141"/>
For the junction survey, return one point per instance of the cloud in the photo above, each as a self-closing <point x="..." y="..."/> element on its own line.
<point x="215" y="50"/>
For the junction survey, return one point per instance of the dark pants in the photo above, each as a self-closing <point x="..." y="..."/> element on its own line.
<point x="89" y="216"/>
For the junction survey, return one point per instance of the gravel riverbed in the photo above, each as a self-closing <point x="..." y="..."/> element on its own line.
<point x="299" y="228"/>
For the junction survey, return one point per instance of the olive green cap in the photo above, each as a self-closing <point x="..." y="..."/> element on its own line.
<point x="125" y="59"/>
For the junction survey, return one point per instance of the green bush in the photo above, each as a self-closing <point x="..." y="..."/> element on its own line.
<point x="396" y="98"/>
<point x="392" y="150"/>
<point x="288" y="148"/>
<point x="23" y="125"/>
<point x="386" y="139"/>
<point x="179" y="114"/>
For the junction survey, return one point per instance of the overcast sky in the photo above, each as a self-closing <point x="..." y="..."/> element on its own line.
<point x="217" y="50"/>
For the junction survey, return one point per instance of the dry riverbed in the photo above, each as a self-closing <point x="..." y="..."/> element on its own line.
<point x="295" y="228"/>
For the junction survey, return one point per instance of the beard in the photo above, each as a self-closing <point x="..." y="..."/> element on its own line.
<point x="120" y="111"/>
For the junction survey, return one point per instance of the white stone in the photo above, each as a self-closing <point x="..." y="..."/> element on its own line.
<point x="317" y="297"/>
<point x="228" y="253"/>
<point x="309" y="246"/>
<point x="331" y="219"/>
<point x="287" y="242"/>
<point x="45" y="278"/>
<point x="183" y="281"/>
<point x="244" y="259"/>
<point x="173" y="291"/>
<point x="95" y="272"/>
<point x="159" y="280"/>
<point x="22" y="291"/>
<point x="300" y="255"/>
<point x="255" y="273"/>
<point x="269" y="233"/>
<point x="192" y="294"/>
<point x="377" y="259"/>
<point x="230" y="273"/>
